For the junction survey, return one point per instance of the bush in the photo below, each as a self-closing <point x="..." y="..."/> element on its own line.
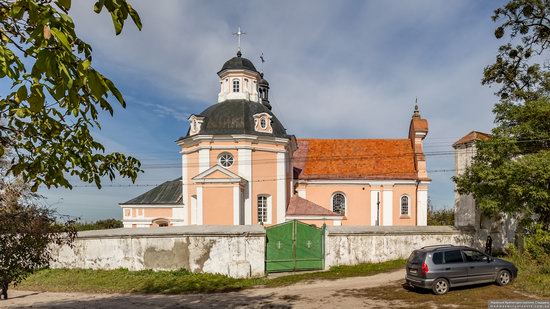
<point x="537" y="243"/>
<point x="99" y="225"/>
<point x="441" y="217"/>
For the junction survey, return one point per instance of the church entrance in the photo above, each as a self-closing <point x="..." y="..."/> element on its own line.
<point x="293" y="246"/>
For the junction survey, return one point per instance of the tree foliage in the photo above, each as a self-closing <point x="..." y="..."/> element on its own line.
<point x="56" y="94"/>
<point x="27" y="231"/>
<point x="511" y="171"/>
<point x="99" y="225"/>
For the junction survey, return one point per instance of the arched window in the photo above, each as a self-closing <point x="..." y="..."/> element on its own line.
<point x="339" y="203"/>
<point x="404" y="205"/>
<point x="263" y="209"/>
<point x="236" y="86"/>
<point x="161" y="222"/>
<point x="263" y="123"/>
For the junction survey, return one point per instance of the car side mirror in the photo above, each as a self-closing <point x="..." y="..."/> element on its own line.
<point x="490" y="259"/>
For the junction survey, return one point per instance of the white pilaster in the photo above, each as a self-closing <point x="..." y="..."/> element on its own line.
<point x="236" y="205"/>
<point x="204" y="160"/>
<point x="185" y="190"/>
<point x="178" y="213"/>
<point x="388" y="207"/>
<point x="199" y="206"/>
<point x="422" y="208"/>
<point x="374" y="196"/>
<point x="281" y="187"/>
<point x="245" y="171"/>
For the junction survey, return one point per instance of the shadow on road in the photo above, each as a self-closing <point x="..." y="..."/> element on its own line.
<point x="224" y="300"/>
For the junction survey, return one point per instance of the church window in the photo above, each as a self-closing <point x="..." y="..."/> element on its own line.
<point x="263" y="209"/>
<point x="263" y="123"/>
<point x="225" y="160"/>
<point x="339" y="203"/>
<point x="404" y="205"/>
<point x="236" y="85"/>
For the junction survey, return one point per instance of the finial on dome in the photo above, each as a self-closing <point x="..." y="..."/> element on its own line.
<point x="239" y="54"/>
<point x="416" y="113"/>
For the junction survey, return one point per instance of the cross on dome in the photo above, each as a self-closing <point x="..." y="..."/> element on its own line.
<point x="239" y="33"/>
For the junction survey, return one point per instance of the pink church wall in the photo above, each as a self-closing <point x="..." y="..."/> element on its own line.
<point x="398" y="191"/>
<point x="264" y="170"/>
<point x="155" y="213"/>
<point x="357" y="199"/>
<point x="214" y="153"/>
<point x="217" y="204"/>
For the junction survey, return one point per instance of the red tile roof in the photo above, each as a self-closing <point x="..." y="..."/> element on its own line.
<point x="302" y="207"/>
<point x="472" y="136"/>
<point x="354" y="159"/>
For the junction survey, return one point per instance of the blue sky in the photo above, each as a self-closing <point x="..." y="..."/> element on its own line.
<point x="337" y="69"/>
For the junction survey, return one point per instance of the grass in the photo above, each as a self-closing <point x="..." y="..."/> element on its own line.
<point x="533" y="277"/>
<point x="182" y="281"/>
<point x="399" y="295"/>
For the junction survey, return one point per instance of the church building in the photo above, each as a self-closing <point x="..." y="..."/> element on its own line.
<point x="240" y="166"/>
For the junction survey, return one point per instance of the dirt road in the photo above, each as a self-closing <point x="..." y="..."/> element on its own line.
<point x="316" y="294"/>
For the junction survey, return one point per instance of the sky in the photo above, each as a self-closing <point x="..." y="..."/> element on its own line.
<point x="337" y="69"/>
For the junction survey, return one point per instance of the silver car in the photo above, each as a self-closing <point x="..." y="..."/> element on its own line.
<point x="445" y="266"/>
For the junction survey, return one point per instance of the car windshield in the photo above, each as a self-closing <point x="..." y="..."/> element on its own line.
<point x="416" y="257"/>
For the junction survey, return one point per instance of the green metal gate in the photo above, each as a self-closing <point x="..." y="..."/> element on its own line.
<point x="294" y="245"/>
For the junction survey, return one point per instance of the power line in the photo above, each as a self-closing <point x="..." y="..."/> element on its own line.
<point x="253" y="181"/>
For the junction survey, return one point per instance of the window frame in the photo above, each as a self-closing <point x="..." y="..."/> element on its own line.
<point x="445" y="256"/>
<point x="485" y="257"/>
<point x="221" y="155"/>
<point x="408" y="206"/>
<point x="345" y="202"/>
<point x="267" y="206"/>
<point x="236" y="82"/>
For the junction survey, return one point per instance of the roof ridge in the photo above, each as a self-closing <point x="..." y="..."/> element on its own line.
<point x="351" y="139"/>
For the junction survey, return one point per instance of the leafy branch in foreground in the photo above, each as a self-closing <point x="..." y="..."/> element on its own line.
<point x="56" y="95"/>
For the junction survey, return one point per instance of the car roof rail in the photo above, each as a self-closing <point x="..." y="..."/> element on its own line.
<point x="438" y="246"/>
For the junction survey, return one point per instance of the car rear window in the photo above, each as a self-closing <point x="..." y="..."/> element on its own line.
<point x="417" y="257"/>
<point x="438" y="258"/>
<point x="453" y="256"/>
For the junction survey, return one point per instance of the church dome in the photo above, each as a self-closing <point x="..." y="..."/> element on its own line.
<point x="238" y="63"/>
<point x="237" y="117"/>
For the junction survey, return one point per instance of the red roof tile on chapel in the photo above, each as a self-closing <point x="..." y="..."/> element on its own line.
<point x="354" y="159"/>
<point x="302" y="207"/>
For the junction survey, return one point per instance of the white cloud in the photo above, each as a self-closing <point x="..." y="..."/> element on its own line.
<point x="336" y="69"/>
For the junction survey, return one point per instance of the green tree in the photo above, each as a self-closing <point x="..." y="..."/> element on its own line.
<point x="511" y="171"/>
<point x="56" y="95"/>
<point x="28" y="229"/>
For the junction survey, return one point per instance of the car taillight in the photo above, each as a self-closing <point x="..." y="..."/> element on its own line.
<point x="425" y="268"/>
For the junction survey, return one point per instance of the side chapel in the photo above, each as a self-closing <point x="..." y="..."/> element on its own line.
<point x="239" y="165"/>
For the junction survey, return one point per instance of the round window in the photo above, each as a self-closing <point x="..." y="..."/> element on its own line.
<point x="225" y="160"/>
<point x="263" y="123"/>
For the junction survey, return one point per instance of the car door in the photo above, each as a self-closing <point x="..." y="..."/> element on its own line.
<point x="454" y="267"/>
<point x="480" y="266"/>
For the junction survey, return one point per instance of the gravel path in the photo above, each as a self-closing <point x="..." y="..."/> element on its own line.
<point x="315" y="294"/>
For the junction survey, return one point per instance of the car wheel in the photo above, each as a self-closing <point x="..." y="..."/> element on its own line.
<point x="440" y="286"/>
<point x="503" y="277"/>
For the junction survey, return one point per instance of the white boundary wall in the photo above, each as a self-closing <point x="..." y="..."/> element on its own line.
<point x="235" y="251"/>
<point x="350" y="245"/>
